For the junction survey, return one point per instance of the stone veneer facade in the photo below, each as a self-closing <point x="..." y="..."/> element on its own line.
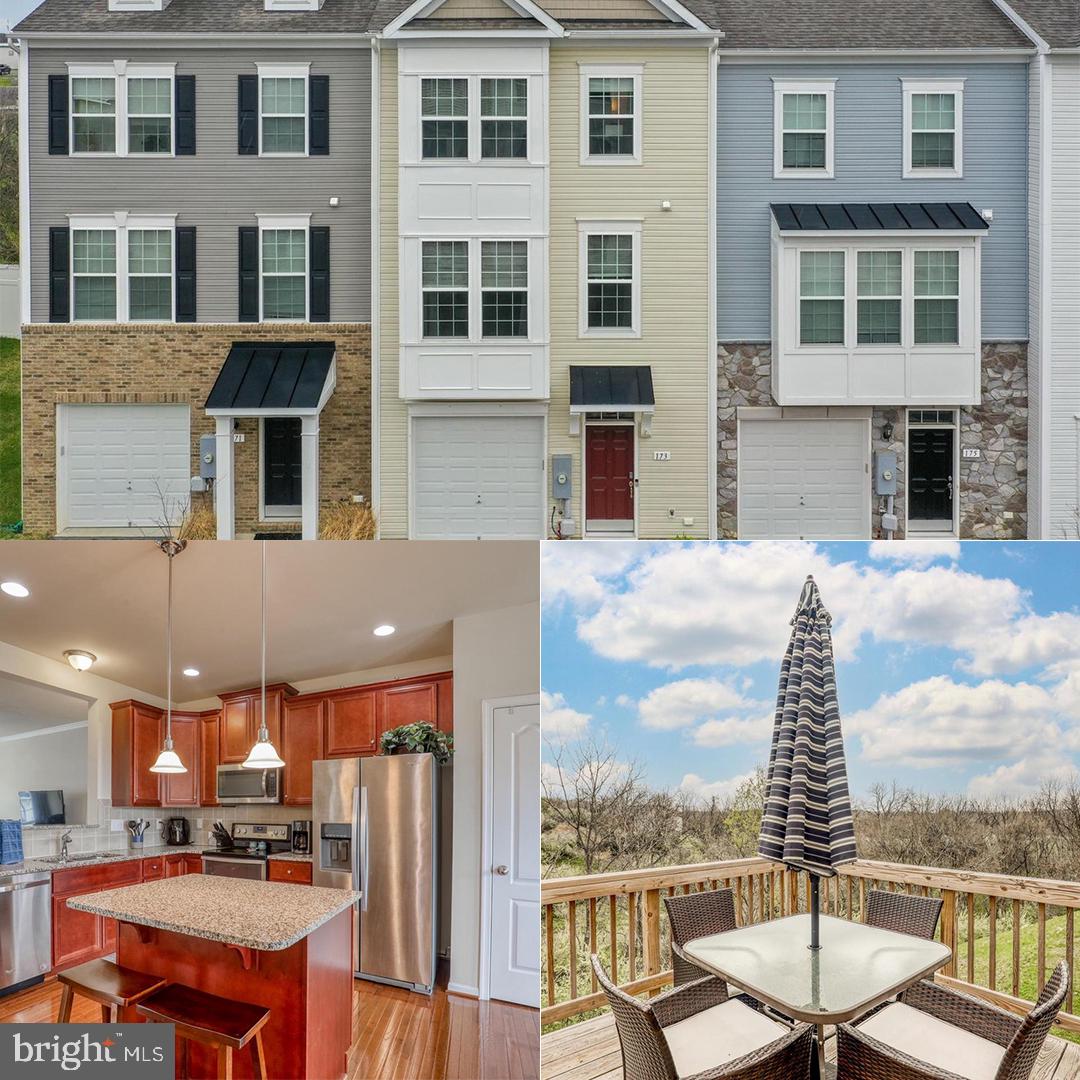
<point x="177" y="364"/>
<point x="993" y="490"/>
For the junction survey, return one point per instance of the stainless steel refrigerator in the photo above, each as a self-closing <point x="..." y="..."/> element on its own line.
<point x="375" y="825"/>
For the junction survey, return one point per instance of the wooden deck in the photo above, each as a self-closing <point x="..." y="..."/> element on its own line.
<point x="590" y="1051"/>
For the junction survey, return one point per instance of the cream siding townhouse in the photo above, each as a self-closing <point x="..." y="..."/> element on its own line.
<point x="544" y="274"/>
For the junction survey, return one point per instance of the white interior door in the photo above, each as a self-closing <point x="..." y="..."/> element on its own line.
<point x="515" y="855"/>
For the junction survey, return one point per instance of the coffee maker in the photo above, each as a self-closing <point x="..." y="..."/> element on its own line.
<point x="176" y="831"/>
<point x="301" y="837"/>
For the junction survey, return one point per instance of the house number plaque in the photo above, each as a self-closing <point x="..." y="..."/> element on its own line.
<point x="971" y="453"/>
<point x="661" y="455"/>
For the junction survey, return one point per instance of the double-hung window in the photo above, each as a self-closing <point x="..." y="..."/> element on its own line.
<point x="803" y="122"/>
<point x="93" y="114"/>
<point x="504" y="110"/>
<point x="610" y="276"/>
<point x="122" y="109"/>
<point x="937" y="297"/>
<point x="93" y="274"/>
<point x="150" y="115"/>
<point x="933" y="128"/>
<point x="284" y="271"/>
<point x="444" y="274"/>
<point x="880" y="287"/>
<point x="821" y="297"/>
<point x="444" y="118"/>
<point x="611" y="115"/>
<point x="150" y="275"/>
<point x="283" y="110"/>
<point x="504" y="288"/>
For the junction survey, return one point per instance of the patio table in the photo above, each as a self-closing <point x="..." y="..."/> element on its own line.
<point x="857" y="967"/>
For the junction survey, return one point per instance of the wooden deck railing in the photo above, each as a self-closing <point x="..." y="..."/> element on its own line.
<point x="620" y="917"/>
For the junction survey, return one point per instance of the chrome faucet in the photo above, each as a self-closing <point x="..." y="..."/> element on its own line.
<point x="64" y="841"/>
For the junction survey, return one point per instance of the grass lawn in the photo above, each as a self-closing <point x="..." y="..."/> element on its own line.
<point x="10" y="429"/>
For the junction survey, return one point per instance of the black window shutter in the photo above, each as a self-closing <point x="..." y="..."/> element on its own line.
<point x="249" y="273"/>
<point x="59" y="274"/>
<point x="185" y="115"/>
<point x="319" y="118"/>
<point x="319" y="242"/>
<point x="248" y="104"/>
<point x="58" y="114"/>
<point x="185" y="273"/>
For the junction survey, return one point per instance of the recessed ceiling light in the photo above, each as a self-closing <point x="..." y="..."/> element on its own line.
<point x="13" y="588"/>
<point x="79" y="659"/>
<point x="191" y="672"/>
<point x="384" y="631"/>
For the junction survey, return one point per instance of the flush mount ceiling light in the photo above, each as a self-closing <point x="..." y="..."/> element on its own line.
<point x="79" y="659"/>
<point x="14" y="588"/>
<point x="191" y="672"/>
<point x="263" y="754"/>
<point x="384" y="631"/>
<point x="168" y="761"/>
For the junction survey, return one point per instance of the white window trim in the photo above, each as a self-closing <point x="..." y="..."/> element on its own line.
<point x="272" y="223"/>
<point x="476" y="292"/>
<point x="934" y="86"/>
<point x="804" y="86"/>
<point x="611" y="71"/>
<point x="611" y="227"/>
<point x="120" y="223"/>
<point x="897" y="296"/>
<point x="286" y="71"/>
<point x="120" y="71"/>
<point x="481" y="118"/>
<point x="844" y="298"/>
<point x="936" y="296"/>
<point x="472" y="107"/>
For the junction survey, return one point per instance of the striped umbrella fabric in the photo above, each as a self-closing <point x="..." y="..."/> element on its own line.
<point x="807" y="822"/>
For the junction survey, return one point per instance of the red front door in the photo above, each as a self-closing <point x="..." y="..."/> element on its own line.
<point x="609" y="476"/>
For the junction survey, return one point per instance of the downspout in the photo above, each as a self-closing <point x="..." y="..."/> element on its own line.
<point x="1045" y="312"/>
<point x="376" y="281"/>
<point x="24" y="238"/>
<point x="711" y="382"/>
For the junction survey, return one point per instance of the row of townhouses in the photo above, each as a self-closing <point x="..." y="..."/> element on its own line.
<point x="525" y="268"/>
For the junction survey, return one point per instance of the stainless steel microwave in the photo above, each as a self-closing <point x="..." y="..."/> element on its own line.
<point x="236" y="785"/>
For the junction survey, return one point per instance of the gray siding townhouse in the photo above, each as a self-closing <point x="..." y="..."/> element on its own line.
<point x="872" y="284"/>
<point x="196" y="216"/>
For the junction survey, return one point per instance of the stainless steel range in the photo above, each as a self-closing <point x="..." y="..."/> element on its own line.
<point x="247" y="855"/>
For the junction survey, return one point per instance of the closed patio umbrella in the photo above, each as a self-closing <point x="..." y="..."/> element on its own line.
<point x="807" y="821"/>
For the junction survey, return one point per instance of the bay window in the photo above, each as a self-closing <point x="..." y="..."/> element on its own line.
<point x="880" y="290"/>
<point x="937" y="297"/>
<point x="821" y="298"/>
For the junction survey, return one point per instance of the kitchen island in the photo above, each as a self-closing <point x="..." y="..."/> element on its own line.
<point x="285" y="947"/>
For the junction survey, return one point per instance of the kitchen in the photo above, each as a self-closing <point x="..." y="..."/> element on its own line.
<point x="389" y="679"/>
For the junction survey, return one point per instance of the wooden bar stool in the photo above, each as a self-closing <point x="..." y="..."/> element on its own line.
<point x="114" y="987"/>
<point x="210" y="1020"/>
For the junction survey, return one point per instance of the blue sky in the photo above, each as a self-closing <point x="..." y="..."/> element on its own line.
<point x="958" y="665"/>
<point x="11" y="11"/>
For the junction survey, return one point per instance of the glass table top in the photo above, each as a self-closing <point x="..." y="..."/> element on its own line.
<point x="856" y="968"/>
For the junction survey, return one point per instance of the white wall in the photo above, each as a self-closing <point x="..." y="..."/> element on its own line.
<point x="496" y="655"/>
<point x="44" y="763"/>
<point x="9" y="302"/>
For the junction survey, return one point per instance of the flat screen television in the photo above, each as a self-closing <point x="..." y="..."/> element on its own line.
<point x="42" y="807"/>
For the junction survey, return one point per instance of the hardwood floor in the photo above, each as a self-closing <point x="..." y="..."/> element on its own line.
<point x="397" y="1035"/>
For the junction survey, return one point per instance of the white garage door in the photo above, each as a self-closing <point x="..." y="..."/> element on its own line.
<point x="477" y="477"/>
<point x="804" y="479"/>
<point x="118" y="462"/>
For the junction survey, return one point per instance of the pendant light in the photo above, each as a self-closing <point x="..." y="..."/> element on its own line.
<point x="168" y="760"/>
<point x="263" y="754"/>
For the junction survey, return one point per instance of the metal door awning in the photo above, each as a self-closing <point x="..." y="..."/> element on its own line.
<point x="878" y="217"/>
<point x="293" y="378"/>
<point x="611" y="388"/>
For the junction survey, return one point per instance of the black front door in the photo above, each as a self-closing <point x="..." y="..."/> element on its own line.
<point x="281" y="462"/>
<point x="930" y="490"/>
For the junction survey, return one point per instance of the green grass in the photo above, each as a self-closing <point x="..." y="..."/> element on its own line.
<point x="7" y="80"/>
<point x="10" y="431"/>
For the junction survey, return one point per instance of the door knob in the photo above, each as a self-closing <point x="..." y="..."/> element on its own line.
<point x="502" y="871"/>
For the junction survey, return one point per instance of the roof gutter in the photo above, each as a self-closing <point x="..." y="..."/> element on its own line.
<point x="651" y="35"/>
<point x="1014" y="51"/>
<point x="207" y="38"/>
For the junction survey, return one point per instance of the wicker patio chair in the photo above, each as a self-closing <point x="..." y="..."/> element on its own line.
<point x="933" y="1033"/>
<point x="697" y="915"/>
<point x="914" y="915"/>
<point x="697" y="1031"/>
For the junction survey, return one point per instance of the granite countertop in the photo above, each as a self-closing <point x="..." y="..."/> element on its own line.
<point x="263" y="915"/>
<point x="36" y="866"/>
<point x="291" y="856"/>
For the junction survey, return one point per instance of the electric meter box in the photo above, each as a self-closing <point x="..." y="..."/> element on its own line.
<point x="885" y="472"/>
<point x="561" y="486"/>
<point x="208" y="457"/>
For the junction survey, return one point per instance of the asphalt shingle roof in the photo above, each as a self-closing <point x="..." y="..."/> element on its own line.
<point x="1057" y="22"/>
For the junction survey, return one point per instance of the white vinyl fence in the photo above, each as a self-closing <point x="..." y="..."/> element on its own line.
<point x="9" y="301"/>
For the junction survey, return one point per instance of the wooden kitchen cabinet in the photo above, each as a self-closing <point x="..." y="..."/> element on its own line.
<point x="298" y="873"/>
<point x="137" y="731"/>
<point x="209" y="723"/>
<point x="301" y="745"/>
<point x="175" y="865"/>
<point x="192" y="864"/>
<point x="182" y="789"/>
<point x="78" y="936"/>
<point x="241" y="714"/>
<point x="408" y="703"/>
<point x="350" y="725"/>
<point x="153" y="869"/>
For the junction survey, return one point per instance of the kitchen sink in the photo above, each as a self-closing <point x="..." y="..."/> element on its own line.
<point x="76" y="858"/>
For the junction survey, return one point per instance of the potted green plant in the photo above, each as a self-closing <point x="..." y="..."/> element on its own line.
<point x="418" y="738"/>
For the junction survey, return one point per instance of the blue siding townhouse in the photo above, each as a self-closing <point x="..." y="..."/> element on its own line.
<point x="872" y="286"/>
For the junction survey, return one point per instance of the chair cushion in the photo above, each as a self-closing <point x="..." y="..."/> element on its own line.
<point x="718" y="1035"/>
<point x="929" y="1039"/>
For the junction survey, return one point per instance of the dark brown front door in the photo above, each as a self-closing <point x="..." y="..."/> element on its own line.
<point x="609" y="477"/>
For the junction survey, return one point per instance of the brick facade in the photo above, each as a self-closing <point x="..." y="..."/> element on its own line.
<point x="125" y="363"/>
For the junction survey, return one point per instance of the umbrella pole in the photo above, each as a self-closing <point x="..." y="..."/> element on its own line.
<point x="815" y="912"/>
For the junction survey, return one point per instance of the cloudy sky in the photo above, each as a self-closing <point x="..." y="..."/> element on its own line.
<point x="958" y="666"/>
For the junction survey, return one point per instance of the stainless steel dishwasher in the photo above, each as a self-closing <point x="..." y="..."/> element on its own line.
<point x="25" y="928"/>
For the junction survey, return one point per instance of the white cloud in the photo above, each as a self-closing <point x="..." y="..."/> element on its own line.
<point x="624" y="701"/>
<point x="688" y="701"/>
<point x="558" y="721"/>
<point x="914" y="552"/>
<point x="696" y="787"/>
<point x="578" y="572"/>
<point x="1024" y="777"/>
<point x="734" y="731"/>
